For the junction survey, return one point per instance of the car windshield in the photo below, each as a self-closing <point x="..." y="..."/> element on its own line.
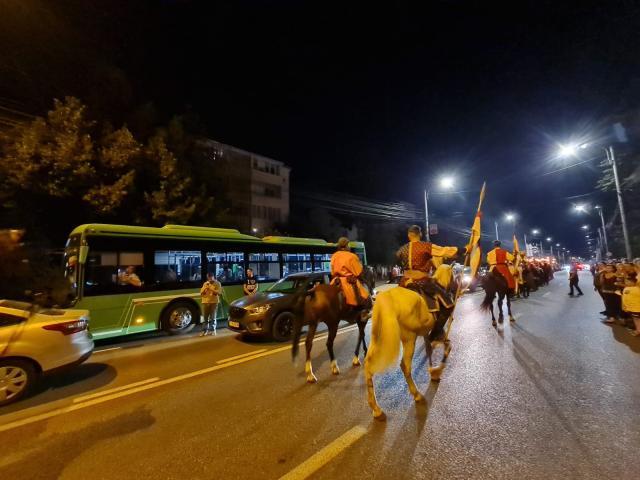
<point x="288" y="284"/>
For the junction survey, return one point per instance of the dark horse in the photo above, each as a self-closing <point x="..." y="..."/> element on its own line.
<point x="494" y="283"/>
<point x="324" y="303"/>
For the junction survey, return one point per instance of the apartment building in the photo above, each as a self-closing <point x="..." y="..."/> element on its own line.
<point x="256" y="186"/>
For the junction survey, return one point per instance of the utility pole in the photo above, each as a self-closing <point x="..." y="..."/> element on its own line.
<point x="623" y="217"/>
<point x="426" y="214"/>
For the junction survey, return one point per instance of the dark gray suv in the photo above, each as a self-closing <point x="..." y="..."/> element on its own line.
<point x="270" y="313"/>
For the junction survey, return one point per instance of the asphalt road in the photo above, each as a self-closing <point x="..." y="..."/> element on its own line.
<point x="555" y="395"/>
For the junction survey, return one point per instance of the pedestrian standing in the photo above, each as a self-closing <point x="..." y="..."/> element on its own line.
<point x="611" y="293"/>
<point x="210" y="296"/>
<point x="631" y="306"/>
<point x="250" y="286"/>
<point x="573" y="279"/>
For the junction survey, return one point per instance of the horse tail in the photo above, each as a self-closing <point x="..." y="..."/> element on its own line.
<point x="384" y="346"/>
<point x="300" y="311"/>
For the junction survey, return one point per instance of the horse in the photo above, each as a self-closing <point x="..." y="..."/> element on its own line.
<point x="496" y="284"/>
<point x="324" y="303"/>
<point x="399" y="315"/>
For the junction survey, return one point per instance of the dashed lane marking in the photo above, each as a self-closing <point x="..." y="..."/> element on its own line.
<point x="546" y="294"/>
<point x="242" y="355"/>
<point x="324" y="456"/>
<point x="114" y="390"/>
<point x="106" y="350"/>
<point x="159" y="383"/>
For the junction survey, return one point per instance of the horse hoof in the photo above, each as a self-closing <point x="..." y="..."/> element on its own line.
<point x="311" y="378"/>
<point x="356" y="362"/>
<point x="436" y="372"/>
<point x="380" y="416"/>
<point x="501" y="320"/>
<point x="512" y="319"/>
<point x="447" y="350"/>
<point x="494" y="323"/>
<point x="335" y="370"/>
<point x="419" y="398"/>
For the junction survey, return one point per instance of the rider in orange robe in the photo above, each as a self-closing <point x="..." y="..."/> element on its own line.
<point x="346" y="267"/>
<point x="498" y="260"/>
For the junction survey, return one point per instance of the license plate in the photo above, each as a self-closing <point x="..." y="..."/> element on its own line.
<point x="234" y="324"/>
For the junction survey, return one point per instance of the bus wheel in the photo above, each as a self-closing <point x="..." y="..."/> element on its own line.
<point x="283" y="326"/>
<point x="179" y="316"/>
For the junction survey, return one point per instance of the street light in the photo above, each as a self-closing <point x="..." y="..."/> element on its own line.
<point x="585" y="227"/>
<point x="535" y="231"/>
<point x="572" y="150"/>
<point x="445" y="183"/>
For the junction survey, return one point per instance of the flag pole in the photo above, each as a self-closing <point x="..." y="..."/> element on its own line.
<point x="467" y="258"/>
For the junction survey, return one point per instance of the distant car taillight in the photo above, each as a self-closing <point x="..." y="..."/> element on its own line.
<point x="67" y="328"/>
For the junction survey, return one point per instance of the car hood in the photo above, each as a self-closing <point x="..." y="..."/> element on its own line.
<point x="257" y="299"/>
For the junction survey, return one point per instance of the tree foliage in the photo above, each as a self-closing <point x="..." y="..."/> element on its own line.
<point x="66" y="168"/>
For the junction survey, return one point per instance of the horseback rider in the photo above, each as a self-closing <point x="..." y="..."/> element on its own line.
<point x="346" y="270"/>
<point x="499" y="260"/>
<point x="416" y="258"/>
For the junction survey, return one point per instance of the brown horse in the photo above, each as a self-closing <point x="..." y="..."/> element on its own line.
<point x="494" y="285"/>
<point x="324" y="303"/>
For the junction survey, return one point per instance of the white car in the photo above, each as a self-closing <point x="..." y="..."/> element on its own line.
<point x="35" y="341"/>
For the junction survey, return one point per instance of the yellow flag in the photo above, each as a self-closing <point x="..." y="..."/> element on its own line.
<point x="474" y="245"/>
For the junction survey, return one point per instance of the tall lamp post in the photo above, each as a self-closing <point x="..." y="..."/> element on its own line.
<point x="571" y="150"/>
<point x="445" y="183"/>
<point x="604" y="230"/>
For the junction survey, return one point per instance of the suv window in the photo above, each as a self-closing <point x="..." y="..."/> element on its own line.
<point x="6" y="319"/>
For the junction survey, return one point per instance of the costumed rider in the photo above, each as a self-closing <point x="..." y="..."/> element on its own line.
<point x="346" y="270"/>
<point x="499" y="260"/>
<point x="416" y="258"/>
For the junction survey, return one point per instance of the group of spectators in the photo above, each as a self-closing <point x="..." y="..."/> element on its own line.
<point x="617" y="284"/>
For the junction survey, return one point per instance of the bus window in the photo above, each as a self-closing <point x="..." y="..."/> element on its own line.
<point x="173" y="267"/>
<point x="265" y="266"/>
<point x="227" y="267"/>
<point x="130" y="271"/>
<point x="295" y="262"/>
<point x="101" y="273"/>
<point x="321" y="262"/>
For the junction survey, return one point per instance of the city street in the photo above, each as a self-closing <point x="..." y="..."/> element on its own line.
<point x="554" y="395"/>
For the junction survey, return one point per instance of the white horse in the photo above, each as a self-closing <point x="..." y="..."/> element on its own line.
<point x="399" y="315"/>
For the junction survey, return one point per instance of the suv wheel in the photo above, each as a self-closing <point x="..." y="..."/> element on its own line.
<point x="283" y="326"/>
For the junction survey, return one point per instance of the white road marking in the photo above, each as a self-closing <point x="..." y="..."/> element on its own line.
<point x="225" y="360"/>
<point x="546" y="294"/>
<point x="114" y="390"/>
<point x="324" y="456"/>
<point x="106" y="350"/>
<point x="149" y="386"/>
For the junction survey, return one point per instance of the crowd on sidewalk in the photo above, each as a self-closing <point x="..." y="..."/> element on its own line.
<point x="617" y="284"/>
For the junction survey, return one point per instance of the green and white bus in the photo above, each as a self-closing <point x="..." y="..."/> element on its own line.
<point x="169" y="265"/>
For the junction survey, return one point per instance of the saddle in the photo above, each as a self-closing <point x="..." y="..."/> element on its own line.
<point x="435" y="296"/>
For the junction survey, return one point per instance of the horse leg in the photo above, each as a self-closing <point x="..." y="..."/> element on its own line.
<point x="511" y="317"/>
<point x="493" y="317"/>
<point x="500" y="314"/>
<point x="356" y="356"/>
<point x="333" y="330"/>
<point x="308" y="343"/>
<point x="428" y="350"/>
<point x="378" y="414"/>
<point x="408" y="346"/>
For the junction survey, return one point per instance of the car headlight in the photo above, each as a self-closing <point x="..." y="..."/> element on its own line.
<point x="260" y="309"/>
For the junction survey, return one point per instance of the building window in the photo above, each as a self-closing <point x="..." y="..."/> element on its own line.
<point x="174" y="267"/>
<point x="295" y="262"/>
<point x="321" y="262"/>
<point x="265" y="266"/>
<point x="227" y="267"/>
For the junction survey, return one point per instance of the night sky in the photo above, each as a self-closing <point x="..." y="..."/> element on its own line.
<point x="371" y="101"/>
